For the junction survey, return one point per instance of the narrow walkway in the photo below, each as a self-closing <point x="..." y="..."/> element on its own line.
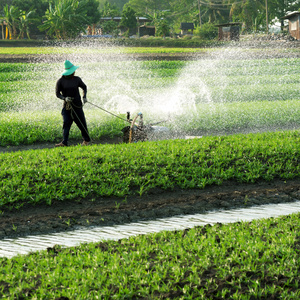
<point x="25" y="245"/>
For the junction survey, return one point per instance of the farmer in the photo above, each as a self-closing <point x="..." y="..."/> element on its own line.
<point x="67" y="89"/>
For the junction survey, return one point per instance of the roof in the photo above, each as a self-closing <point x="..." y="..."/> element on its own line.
<point x="229" y="24"/>
<point x="187" y="26"/>
<point x="292" y="14"/>
<point x="146" y="26"/>
<point x="118" y="19"/>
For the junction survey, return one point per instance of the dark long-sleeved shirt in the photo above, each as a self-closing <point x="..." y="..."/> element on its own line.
<point x="69" y="87"/>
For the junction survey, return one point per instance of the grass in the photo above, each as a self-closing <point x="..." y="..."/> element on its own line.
<point x="256" y="260"/>
<point x="118" y="170"/>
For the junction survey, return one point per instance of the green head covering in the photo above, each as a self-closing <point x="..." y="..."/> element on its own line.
<point x="69" y="68"/>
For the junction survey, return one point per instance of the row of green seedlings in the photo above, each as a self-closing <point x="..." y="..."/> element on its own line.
<point x="256" y="85"/>
<point x="75" y="173"/>
<point x="203" y="119"/>
<point x="244" y="260"/>
<point x="25" y="128"/>
<point x="77" y="49"/>
<point x="243" y="71"/>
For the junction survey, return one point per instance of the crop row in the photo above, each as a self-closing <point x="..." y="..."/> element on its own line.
<point x="202" y="81"/>
<point x="257" y="260"/>
<point x="31" y="127"/>
<point x="203" y="119"/>
<point x="119" y="170"/>
<point x="89" y="48"/>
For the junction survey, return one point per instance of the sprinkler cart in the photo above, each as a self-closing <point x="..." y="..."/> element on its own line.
<point x="138" y="132"/>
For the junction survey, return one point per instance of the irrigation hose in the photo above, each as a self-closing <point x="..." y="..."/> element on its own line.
<point x="132" y="122"/>
<point x="131" y="128"/>
<point x="108" y="111"/>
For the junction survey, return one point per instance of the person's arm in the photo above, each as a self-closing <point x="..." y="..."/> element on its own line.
<point x="83" y="86"/>
<point x="58" y="90"/>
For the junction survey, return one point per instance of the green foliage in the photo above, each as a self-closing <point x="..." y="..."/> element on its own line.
<point x="128" y="18"/>
<point x="65" y="18"/>
<point x="92" y="11"/>
<point x="162" y="28"/>
<point x="127" y="169"/>
<point x="108" y="26"/>
<point x="244" y="260"/>
<point x="109" y="10"/>
<point x="207" y="31"/>
<point x="11" y="17"/>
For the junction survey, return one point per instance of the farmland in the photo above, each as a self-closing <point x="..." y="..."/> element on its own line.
<point x="215" y="95"/>
<point x="247" y="110"/>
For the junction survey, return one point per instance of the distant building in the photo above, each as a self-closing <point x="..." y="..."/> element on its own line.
<point x="187" y="28"/>
<point x="146" y="30"/>
<point x="229" y="31"/>
<point x="294" y="24"/>
<point x="141" y="21"/>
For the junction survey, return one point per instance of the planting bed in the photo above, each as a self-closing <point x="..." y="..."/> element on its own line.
<point x="240" y="116"/>
<point x="49" y="190"/>
<point x="107" y="211"/>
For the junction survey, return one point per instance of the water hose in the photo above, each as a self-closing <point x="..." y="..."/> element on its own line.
<point x="131" y="127"/>
<point x="132" y="122"/>
<point x="108" y="111"/>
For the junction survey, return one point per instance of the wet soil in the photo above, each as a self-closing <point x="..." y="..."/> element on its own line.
<point x="108" y="211"/>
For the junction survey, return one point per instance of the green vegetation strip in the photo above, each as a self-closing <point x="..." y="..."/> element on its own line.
<point x="94" y="50"/>
<point x="256" y="260"/>
<point x="77" y="172"/>
<point x="25" y="128"/>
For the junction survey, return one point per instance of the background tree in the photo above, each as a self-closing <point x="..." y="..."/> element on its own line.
<point x="38" y="6"/>
<point x="3" y="3"/>
<point x="109" y="27"/>
<point x="148" y="6"/>
<point x="93" y="13"/>
<point x="250" y="12"/>
<point x="162" y="28"/>
<point x="26" y="19"/>
<point x="279" y="8"/>
<point x="2" y="23"/>
<point x="11" y="17"/>
<point x="129" y="19"/>
<point x="207" y="31"/>
<point x="119" y="4"/>
<point x="65" y="19"/>
<point x="110" y="10"/>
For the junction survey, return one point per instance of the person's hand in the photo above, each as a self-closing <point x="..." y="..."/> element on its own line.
<point x="68" y="99"/>
<point x="84" y="100"/>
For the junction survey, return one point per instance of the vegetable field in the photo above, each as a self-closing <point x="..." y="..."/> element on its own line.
<point x="121" y="170"/>
<point x="215" y="95"/>
<point x="258" y="260"/>
<point x="245" y="108"/>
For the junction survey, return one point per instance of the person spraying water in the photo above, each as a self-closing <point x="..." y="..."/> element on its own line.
<point x="67" y="89"/>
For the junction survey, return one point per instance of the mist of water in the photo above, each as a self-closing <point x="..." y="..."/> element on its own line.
<point x="119" y="83"/>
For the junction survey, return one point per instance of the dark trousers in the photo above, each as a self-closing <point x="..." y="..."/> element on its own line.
<point x="76" y="115"/>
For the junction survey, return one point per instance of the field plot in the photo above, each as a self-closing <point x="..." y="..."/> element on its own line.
<point x="221" y="96"/>
<point x="214" y="95"/>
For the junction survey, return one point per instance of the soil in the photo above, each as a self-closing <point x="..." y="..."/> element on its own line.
<point x="108" y="211"/>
